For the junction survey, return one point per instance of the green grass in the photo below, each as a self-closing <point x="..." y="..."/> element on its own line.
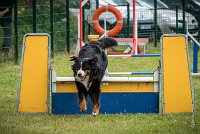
<point x="11" y="122"/>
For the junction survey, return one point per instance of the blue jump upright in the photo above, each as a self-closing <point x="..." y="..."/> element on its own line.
<point x="195" y="58"/>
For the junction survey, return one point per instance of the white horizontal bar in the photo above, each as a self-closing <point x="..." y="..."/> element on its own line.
<point x="63" y="79"/>
<point x="119" y="55"/>
<point x="112" y="79"/>
<point x="128" y="79"/>
<point x="196" y="74"/>
<point x="130" y="73"/>
<point x="120" y="73"/>
<point x="136" y="55"/>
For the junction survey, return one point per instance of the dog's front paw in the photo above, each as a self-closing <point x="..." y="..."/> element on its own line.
<point x="95" y="110"/>
<point x="83" y="106"/>
<point x="83" y="109"/>
<point x="94" y="114"/>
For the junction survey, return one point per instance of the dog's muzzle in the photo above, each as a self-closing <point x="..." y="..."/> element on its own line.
<point x="81" y="77"/>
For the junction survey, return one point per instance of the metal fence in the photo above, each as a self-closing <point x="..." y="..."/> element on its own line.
<point x="59" y="19"/>
<point x="47" y="16"/>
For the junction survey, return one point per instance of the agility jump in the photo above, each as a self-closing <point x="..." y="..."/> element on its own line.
<point x="141" y="94"/>
<point x="39" y="84"/>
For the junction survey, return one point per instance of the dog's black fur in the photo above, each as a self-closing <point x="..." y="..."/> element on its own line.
<point x="89" y="68"/>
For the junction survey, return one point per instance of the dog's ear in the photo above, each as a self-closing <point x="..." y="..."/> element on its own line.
<point x="73" y="58"/>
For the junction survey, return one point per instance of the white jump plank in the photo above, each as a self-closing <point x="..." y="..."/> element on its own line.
<point x="112" y="79"/>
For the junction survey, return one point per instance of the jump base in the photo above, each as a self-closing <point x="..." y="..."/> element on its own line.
<point x="111" y="103"/>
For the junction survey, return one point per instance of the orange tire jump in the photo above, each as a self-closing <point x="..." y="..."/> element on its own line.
<point x="116" y="12"/>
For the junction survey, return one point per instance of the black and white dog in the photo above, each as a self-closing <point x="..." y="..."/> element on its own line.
<point x="89" y="68"/>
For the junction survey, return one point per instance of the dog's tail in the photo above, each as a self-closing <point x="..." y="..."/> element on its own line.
<point x="107" y="42"/>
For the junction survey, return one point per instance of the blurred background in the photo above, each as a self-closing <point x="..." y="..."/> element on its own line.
<point x="59" y="18"/>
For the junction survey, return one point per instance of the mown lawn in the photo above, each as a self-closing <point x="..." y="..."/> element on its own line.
<point x="11" y="122"/>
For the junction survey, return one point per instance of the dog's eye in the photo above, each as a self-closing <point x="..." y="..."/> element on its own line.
<point x="83" y="67"/>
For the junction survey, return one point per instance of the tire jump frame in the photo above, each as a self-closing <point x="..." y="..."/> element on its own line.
<point x="39" y="84"/>
<point x="133" y="43"/>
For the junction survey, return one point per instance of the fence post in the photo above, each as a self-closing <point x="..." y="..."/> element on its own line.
<point x="184" y="8"/>
<point x="97" y="4"/>
<point x="16" y="30"/>
<point x="155" y="23"/>
<point x="195" y="58"/>
<point x="68" y="26"/>
<point x="83" y="21"/>
<point x="176" y="19"/>
<point x="128" y="20"/>
<point x="52" y="27"/>
<point x="34" y="16"/>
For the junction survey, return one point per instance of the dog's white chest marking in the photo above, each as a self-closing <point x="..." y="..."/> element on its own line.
<point x="85" y="82"/>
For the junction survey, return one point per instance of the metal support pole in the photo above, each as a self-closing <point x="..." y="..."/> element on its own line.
<point x="134" y="28"/>
<point x="133" y="19"/>
<point x="128" y="20"/>
<point x="16" y="30"/>
<point x="155" y="23"/>
<point x="184" y="8"/>
<point x="52" y="27"/>
<point x="176" y="19"/>
<point x="34" y="16"/>
<point x="89" y="29"/>
<point x="198" y="27"/>
<point x="80" y="23"/>
<point x="67" y="26"/>
<point x="97" y="4"/>
<point x="83" y="10"/>
<point x="195" y="58"/>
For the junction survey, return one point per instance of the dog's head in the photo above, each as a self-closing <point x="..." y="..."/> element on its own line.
<point x="84" y="67"/>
